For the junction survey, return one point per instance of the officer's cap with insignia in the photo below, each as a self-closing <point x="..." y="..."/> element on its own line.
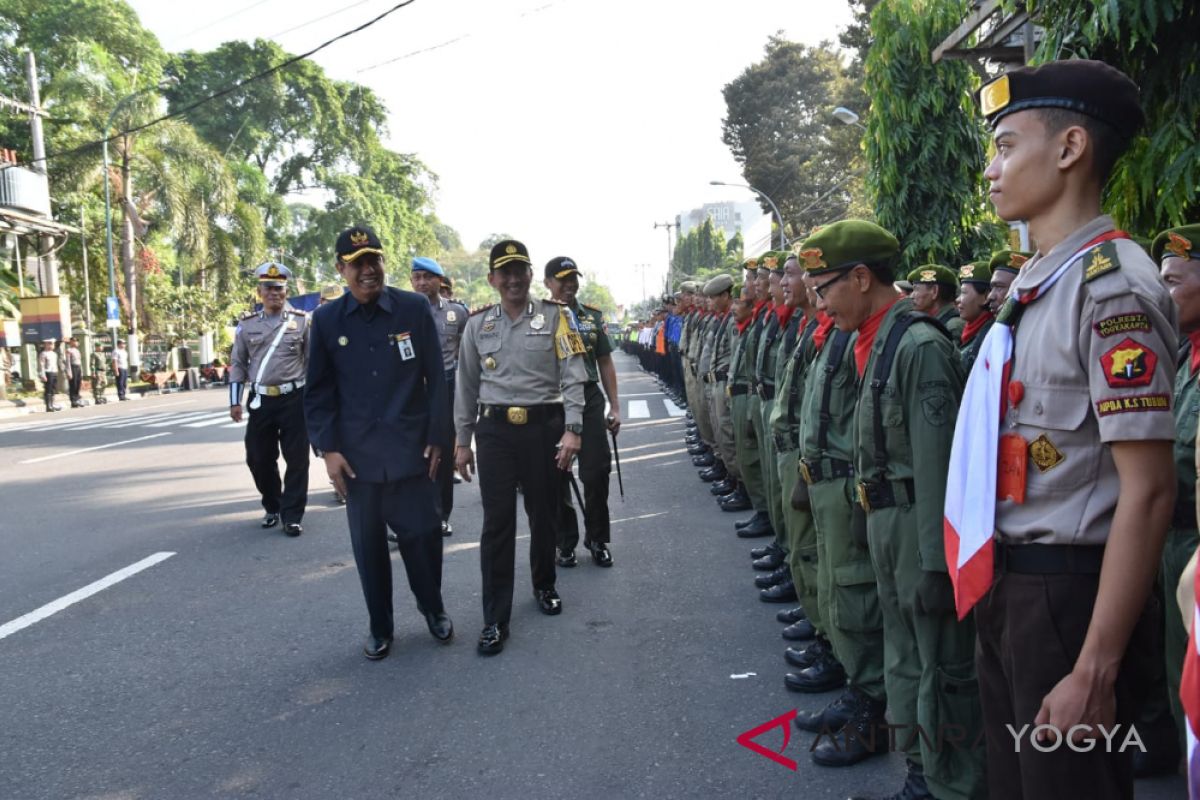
<point x="1092" y="88"/>
<point x="688" y="287"/>
<point x="561" y="267"/>
<point x="933" y="274"/>
<point x="718" y="285"/>
<point x="423" y="264"/>
<point x="272" y="273"/>
<point x="1182" y="242"/>
<point x="508" y="251"/>
<point x="975" y="272"/>
<point x="356" y="242"/>
<point x="846" y="244"/>
<point x="1008" y="261"/>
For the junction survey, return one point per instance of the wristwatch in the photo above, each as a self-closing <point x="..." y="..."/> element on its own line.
<point x="575" y="428"/>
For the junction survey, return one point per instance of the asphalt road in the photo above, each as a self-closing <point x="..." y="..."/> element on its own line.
<point x="233" y="668"/>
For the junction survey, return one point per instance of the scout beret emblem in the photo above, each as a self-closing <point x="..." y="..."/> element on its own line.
<point x="967" y="271"/>
<point x="752" y="263"/>
<point x="928" y="275"/>
<point x="1017" y="260"/>
<point x="812" y="258"/>
<point x="770" y="261"/>
<point x="1179" y="245"/>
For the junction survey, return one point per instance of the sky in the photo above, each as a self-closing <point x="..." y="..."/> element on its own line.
<point x="572" y="125"/>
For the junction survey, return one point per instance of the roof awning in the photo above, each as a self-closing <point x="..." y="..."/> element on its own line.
<point x="12" y="221"/>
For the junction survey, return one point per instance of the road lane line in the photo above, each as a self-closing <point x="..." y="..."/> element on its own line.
<point x="190" y="417"/>
<point x="216" y="419"/>
<point x="53" y="607"/>
<point x="90" y="449"/>
<point x="672" y="409"/>
<point x="651" y="422"/>
<point x="638" y="409"/>
<point x="123" y="421"/>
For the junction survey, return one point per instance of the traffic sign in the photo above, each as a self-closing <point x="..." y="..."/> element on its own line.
<point x="113" y="312"/>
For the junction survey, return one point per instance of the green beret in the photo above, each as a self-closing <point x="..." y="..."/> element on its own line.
<point x="933" y="273"/>
<point x="718" y="285"/>
<point x="975" y="272"/>
<point x="774" y="260"/>
<point x="1008" y="261"/>
<point x="751" y="264"/>
<point x="1181" y="242"/>
<point x="847" y="244"/>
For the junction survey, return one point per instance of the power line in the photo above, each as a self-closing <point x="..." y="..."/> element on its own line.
<point x="318" y="19"/>
<point x="219" y="20"/>
<point x="221" y="92"/>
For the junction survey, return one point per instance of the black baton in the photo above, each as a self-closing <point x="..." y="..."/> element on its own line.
<point x="617" y="456"/>
<point x="575" y="489"/>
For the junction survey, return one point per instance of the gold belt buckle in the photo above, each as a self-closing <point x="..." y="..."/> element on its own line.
<point x="518" y="415"/>
<point x="273" y="391"/>
<point x="862" y="497"/>
<point x="805" y="473"/>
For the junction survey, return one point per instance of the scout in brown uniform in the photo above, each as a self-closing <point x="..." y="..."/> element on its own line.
<point x="1085" y="439"/>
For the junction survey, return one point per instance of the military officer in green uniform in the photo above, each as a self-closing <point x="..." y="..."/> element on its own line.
<point x="1178" y="251"/>
<point x="934" y="290"/>
<point x="1005" y="266"/>
<point x="701" y="451"/>
<point x="761" y="401"/>
<point x="741" y="391"/>
<point x="595" y="458"/>
<point x="910" y="381"/>
<point x="847" y="594"/>
<point x="687" y="292"/>
<point x="719" y="290"/>
<point x="974" y="281"/>
<point x="99" y="374"/>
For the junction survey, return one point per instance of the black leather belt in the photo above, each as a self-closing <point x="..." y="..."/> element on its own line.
<point x="876" y="495"/>
<point x="825" y="469"/>
<point x="521" y="415"/>
<point x="1049" y="559"/>
<point x="721" y="374"/>
<point x="766" y="391"/>
<point x="737" y="389"/>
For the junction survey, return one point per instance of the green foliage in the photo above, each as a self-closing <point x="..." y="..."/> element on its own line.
<point x="778" y="124"/>
<point x="596" y="294"/>
<point x="703" y="248"/>
<point x="1156" y="185"/>
<point x="925" y="143"/>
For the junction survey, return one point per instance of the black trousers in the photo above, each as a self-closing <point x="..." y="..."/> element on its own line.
<point x="595" y="467"/>
<point x="49" y="387"/>
<point x="445" y="473"/>
<point x="278" y="426"/>
<point x="122" y="382"/>
<point x="1030" y="629"/>
<point x="408" y="507"/>
<point x="75" y="383"/>
<point x="509" y="455"/>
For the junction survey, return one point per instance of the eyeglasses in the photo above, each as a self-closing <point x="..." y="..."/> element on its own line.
<point x="820" y="290"/>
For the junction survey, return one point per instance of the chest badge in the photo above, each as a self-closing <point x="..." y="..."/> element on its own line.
<point x="343" y="341"/>
<point x="489" y="362"/>
<point x="538" y="322"/>
<point x="292" y="325"/>
<point x="451" y="316"/>
<point x="489" y="326"/>
<point x="1044" y="454"/>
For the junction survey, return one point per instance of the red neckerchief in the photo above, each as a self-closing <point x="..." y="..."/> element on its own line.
<point x="741" y="326"/>
<point x="1194" y="338"/>
<point x="758" y="308"/>
<point x="784" y="313"/>
<point x="972" y="328"/>
<point x="866" y="337"/>
<point x="824" y="326"/>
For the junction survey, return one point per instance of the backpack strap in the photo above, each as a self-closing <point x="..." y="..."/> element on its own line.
<point x="837" y="351"/>
<point x="794" y="390"/>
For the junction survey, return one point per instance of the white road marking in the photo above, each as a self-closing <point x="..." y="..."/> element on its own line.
<point x="642" y="516"/>
<point x="192" y="417"/>
<point x="51" y="608"/>
<point x="638" y="409"/>
<point x="241" y="424"/>
<point x="672" y="409"/>
<point x="635" y="448"/>
<point x="90" y="449"/>
<point x="121" y="422"/>
<point x="651" y="422"/>
<point x="147" y="420"/>
<point x="643" y="394"/>
<point x="216" y="419"/>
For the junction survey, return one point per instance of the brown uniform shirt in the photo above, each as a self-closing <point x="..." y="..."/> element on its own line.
<point x="1096" y="358"/>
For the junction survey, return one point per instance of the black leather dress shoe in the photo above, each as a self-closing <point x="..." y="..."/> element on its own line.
<point x="790" y="615"/>
<point x="440" y="626"/>
<point x="863" y="735"/>
<point x="826" y="674"/>
<point x="270" y="520"/>
<point x="691" y="438"/>
<point x="447" y="528"/>
<point x="782" y="592"/>
<point x="738" y="500"/>
<point x="600" y="553"/>
<point x="771" y="561"/>
<point x="765" y="550"/>
<point x="548" y="601"/>
<point x="377" y="648"/>
<point x="914" y="787"/>
<point x="565" y="558"/>
<point x="832" y="717"/>
<point x="762" y="527"/>
<point x="491" y="641"/>
<point x="746" y="523"/>
<point x="800" y="631"/>
<point x="698" y="449"/>
<point x="293" y="529"/>
<point x="777" y="575"/>
<point x="706" y="460"/>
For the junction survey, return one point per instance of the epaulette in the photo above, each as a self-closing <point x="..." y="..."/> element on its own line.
<point x="298" y="312"/>
<point x="1101" y="261"/>
<point x="482" y="309"/>
<point x="556" y="302"/>
<point x="591" y="308"/>
<point x="248" y="315"/>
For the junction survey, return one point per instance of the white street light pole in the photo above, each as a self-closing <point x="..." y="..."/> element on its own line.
<point x="775" y="208"/>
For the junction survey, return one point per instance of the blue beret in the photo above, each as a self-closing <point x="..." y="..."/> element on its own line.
<point x="426" y="265"/>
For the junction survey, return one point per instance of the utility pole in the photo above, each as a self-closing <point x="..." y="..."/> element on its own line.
<point x="45" y="247"/>
<point x="669" y="226"/>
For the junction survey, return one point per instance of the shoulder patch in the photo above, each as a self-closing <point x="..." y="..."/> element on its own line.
<point x="591" y="308"/>
<point x="298" y="312"/>
<point x="1101" y="261"/>
<point x="555" y="302"/>
<point x="482" y="309"/>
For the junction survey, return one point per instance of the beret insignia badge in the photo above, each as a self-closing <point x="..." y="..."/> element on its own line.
<point x="1179" y="245"/>
<point x="812" y="258"/>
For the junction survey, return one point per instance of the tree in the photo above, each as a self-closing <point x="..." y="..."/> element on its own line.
<point x="597" y="295"/>
<point x="925" y="142"/>
<point x="778" y="126"/>
<point x="1156" y="185"/>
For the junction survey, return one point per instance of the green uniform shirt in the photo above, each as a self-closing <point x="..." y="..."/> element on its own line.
<point x="919" y="407"/>
<point x="843" y="394"/>
<point x="795" y="356"/>
<point x="969" y="351"/>
<point x="953" y="322"/>
<point x="768" y="345"/>
<point x="1187" y="409"/>
<point x="594" y="333"/>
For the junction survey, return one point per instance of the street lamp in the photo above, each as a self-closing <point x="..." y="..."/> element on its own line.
<point x="847" y="117"/>
<point x="775" y="208"/>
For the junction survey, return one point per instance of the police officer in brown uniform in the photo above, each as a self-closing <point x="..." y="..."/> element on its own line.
<point x="270" y="357"/>
<point x="520" y="396"/>
<point x="1084" y="440"/>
